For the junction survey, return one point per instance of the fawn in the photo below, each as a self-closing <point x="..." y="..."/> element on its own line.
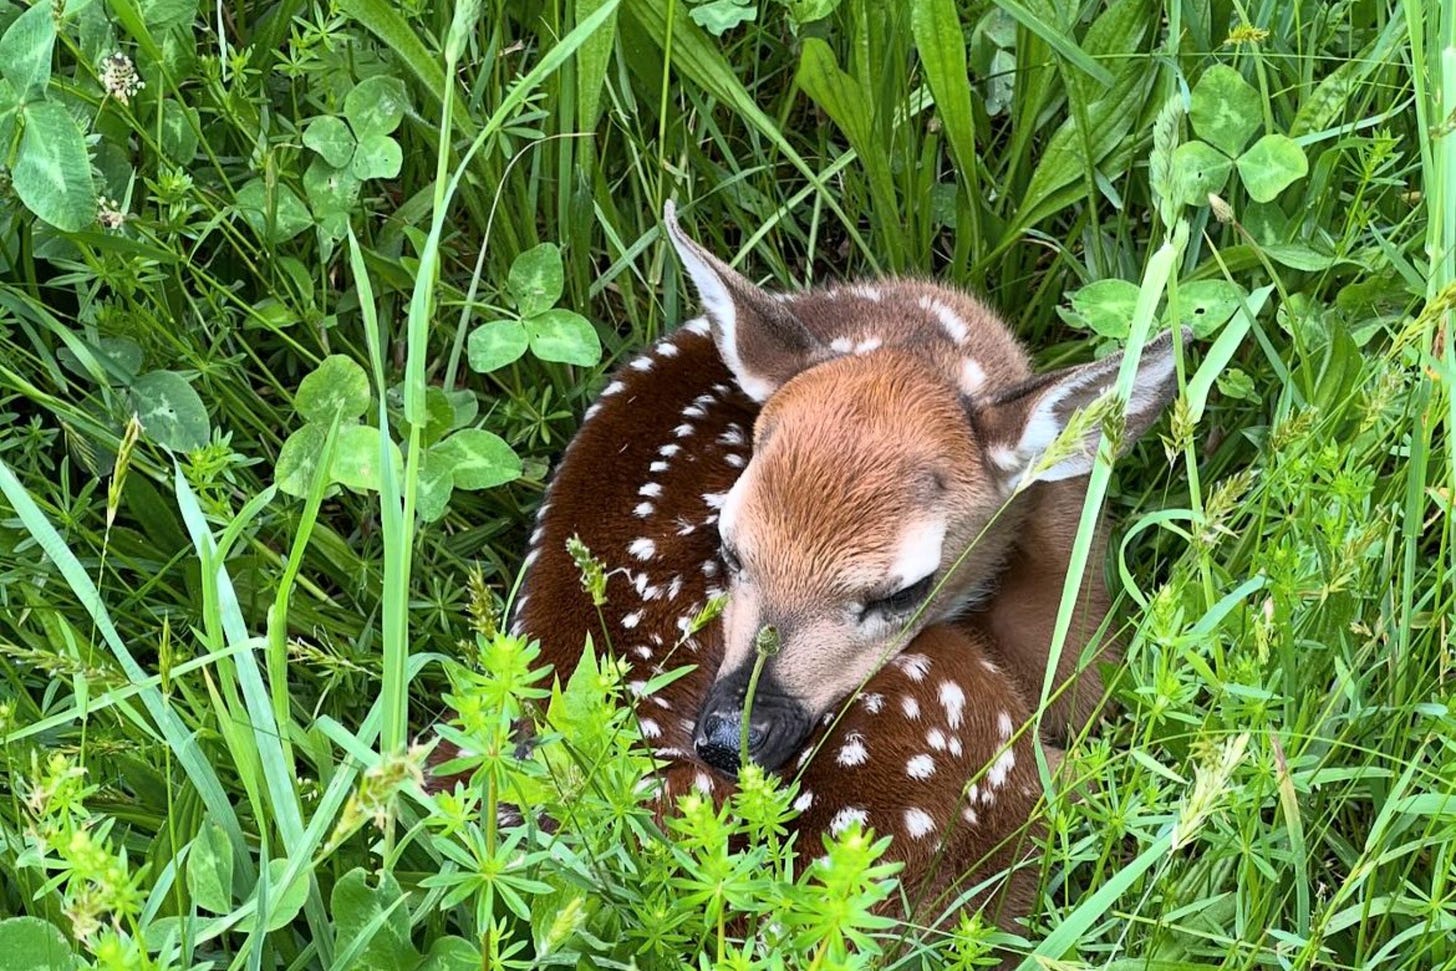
<point x="825" y="458"/>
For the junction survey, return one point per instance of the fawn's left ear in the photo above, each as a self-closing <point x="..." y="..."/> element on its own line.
<point x="1019" y="425"/>
<point x="760" y="340"/>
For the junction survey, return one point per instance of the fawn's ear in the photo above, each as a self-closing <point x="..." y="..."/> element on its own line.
<point x="760" y="340"/>
<point x="1018" y="425"/>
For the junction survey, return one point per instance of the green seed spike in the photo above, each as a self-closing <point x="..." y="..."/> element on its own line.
<point x="766" y="642"/>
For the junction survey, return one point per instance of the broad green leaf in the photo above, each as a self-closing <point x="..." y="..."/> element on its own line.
<point x="1270" y="166"/>
<point x="123" y="352"/>
<point x="356" y="458"/>
<point x="377" y="912"/>
<point x="32" y="944"/>
<point x="1236" y="383"/>
<point x="210" y="870"/>
<point x="281" y="910"/>
<point x="465" y="405"/>
<point x="451" y="954"/>
<point x="298" y="458"/>
<point x="1198" y="169"/>
<point x="378" y="157"/>
<point x="1079" y="145"/>
<point x="1106" y="306"/>
<point x="592" y="60"/>
<point x="179" y="132"/>
<point x="9" y="112"/>
<point x="330" y="137"/>
<point x="52" y="173"/>
<point x="26" y="49"/>
<point x="279" y="222"/>
<point x="333" y="195"/>
<point x="436" y="485"/>
<point x="439" y="416"/>
<point x="376" y="105"/>
<point x="936" y="26"/>
<point x="844" y="101"/>
<point x="337" y="386"/>
<point x="563" y="336"/>
<point x="494" y="345"/>
<point x="1298" y="256"/>
<point x="536" y="279"/>
<point x="803" y="12"/>
<point x="1206" y="305"/>
<point x="718" y="17"/>
<point x="1225" y="109"/>
<point x="479" y="459"/>
<point x="171" y="413"/>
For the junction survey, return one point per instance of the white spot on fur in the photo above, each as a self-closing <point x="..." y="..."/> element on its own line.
<point x="1001" y="768"/>
<point x="715" y="500"/>
<point x="657" y="467"/>
<point x="970" y="816"/>
<point x="846" y="818"/>
<point x="868" y="344"/>
<point x="733" y="436"/>
<point x="642" y="548"/>
<point x="650" y="728"/>
<point x="735" y="460"/>
<point x="643" y="363"/>
<point x="674" y="587"/>
<point x="973" y="377"/>
<point x="841" y="345"/>
<point x="536" y="534"/>
<point x="867" y="292"/>
<point x="699" y="326"/>
<point x="950" y="321"/>
<point x="935" y="738"/>
<point x="666" y="348"/>
<point x="591" y="412"/>
<point x="910" y="707"/>
<point x="990" y="666"/>
<point x="531" y="557"/>
<point x="694" y="411"/>
<point x="710" y="568"/>
<point x="650" y="489"/>
<point x="873" y="702"/>
<point x="612" y="388"/>
<point x="1005" y="725"/>
<point x="920" y="766"/>
<point x="703" y="782"/>
<point x="954" y="700"/>
<point x="805" y="800"/>
<point x="918" y="823"/>
<point x="683" y="430"/>
<point x="853" y="752"/>
<point x="669" y="450"/>
<point x="643" y="651"/>
<point x="914" y="665"/>
<point x="643" y="509"/>
<point x="631" y="620"/>
<point x="955" y="746"/>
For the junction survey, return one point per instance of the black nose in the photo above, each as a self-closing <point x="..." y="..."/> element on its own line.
<point x="719" y="737"/>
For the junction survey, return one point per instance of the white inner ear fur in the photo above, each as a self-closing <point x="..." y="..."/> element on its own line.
<point x="1043" y="426"/>
<point x="723" y="313"/>
<point x="917" y="555"/>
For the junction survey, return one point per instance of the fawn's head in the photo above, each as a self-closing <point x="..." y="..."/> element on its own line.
<point x="876" y="498"/>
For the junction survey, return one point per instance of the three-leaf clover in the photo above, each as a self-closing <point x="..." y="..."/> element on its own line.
<point x="552" y="333"/>
<point x="455" y="457"/>
<point x="353" y="149"/>
<point x="1226" y="111"/>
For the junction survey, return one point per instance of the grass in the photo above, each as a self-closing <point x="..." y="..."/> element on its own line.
<point x="214" y="654"/>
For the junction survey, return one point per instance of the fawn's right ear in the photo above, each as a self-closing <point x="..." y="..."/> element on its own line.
<point x="760" y="340"/>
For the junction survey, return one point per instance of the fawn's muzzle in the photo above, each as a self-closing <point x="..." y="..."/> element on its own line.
<point x="777" y="726"/>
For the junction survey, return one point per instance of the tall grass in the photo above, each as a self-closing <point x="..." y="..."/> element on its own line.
<point x="212" y="667"/>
